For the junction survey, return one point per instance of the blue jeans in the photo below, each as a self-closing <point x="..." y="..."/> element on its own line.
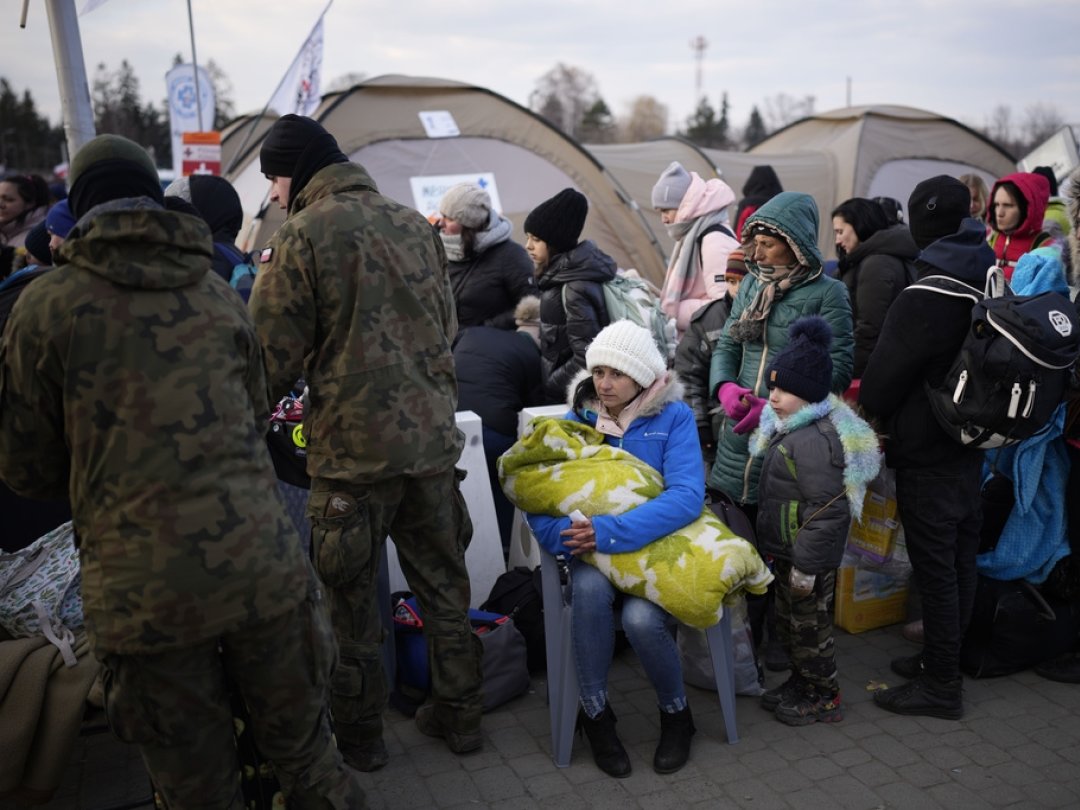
<point x="648" y="627"/>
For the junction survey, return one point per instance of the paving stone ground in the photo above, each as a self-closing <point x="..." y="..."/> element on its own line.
<point x="1018" y="746"/>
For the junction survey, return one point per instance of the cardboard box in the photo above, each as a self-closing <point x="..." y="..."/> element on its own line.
<point x="875" y="536"/>
<point x="867" y="599"/>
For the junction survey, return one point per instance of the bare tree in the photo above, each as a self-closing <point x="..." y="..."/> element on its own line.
<point x="782" y="109"/>
<point x="999" y="128"/>
<point x="1040" y="122"/>
<point x="648" y="119"/>
<point x="563" y="96"/>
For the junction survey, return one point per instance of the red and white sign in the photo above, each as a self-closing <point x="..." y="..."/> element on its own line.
<point x="200" y="153"/>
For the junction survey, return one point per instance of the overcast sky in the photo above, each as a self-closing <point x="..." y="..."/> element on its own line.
<point x="961" y="58"/>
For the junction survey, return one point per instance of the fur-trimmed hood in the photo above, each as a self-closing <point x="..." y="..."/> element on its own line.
<point x="1073" y="199"/>
<point x="667" y="388"/>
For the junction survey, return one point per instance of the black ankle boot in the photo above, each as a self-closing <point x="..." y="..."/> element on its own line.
<point x="608" y="753"/>
<point x="674" y="748"/>
<point x="926" y="696"/>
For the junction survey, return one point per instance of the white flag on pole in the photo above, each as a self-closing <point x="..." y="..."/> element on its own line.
<point x="90" y="5"/>
<point x="299" y="91"/>
<point x="183" y="109"/>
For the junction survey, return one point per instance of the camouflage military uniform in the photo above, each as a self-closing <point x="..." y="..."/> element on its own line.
<point x="131" y="381"/>
<point x="356" y="298"/>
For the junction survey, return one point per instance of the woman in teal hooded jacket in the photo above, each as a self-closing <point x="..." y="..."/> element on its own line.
<point x="785" y="281"/>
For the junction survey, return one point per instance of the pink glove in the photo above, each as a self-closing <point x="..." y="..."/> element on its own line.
<point x="753" y="415"/>
<point x="734" y="399"/>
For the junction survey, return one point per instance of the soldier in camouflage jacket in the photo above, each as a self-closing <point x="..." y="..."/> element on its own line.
<point x="131" y="381"/>
<point x="353" y="294"/>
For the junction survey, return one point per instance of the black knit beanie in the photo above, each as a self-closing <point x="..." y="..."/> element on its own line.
<point x="111" y="167"/>
<point x="559" y="221"/>
<point x="216" y="201"/>
<point x="297" y="146"/>
<point x="804" y="367"/>
<point x="936" y="208"/>
<point x="1051" y="178"/>
<point x="37" y="245"/>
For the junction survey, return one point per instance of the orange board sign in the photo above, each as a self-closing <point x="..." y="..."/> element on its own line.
<point x="201" y="153"/>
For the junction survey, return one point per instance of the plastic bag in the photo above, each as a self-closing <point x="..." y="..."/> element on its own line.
<point x="697" y="664"/>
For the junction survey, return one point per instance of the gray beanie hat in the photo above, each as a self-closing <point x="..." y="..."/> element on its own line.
<point x="468" y="204"/>
<point x="672" y="186"/>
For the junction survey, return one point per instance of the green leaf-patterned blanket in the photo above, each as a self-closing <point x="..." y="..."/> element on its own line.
<point x="560" y="465"/>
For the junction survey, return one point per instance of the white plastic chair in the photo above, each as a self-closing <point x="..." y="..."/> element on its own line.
<point x="562" y="676"/>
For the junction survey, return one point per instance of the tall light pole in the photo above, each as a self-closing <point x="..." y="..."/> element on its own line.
<point x="698" y="46"/>
<point x="78" y="113"/>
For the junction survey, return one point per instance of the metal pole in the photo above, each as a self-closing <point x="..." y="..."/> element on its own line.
<point x="195" y="67"/>
<point x="76" y="109"/>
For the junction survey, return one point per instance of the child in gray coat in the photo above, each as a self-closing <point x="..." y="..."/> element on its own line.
<point x="819" y="457"/>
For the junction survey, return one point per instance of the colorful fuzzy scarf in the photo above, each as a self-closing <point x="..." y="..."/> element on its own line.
<point x="862" y="452"/>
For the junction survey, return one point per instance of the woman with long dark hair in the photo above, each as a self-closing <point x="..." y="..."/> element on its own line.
<point x="876" y="263"/>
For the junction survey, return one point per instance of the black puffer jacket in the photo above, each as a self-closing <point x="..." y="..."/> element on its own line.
<point x="693" y="359"/>
<point x="498" y="374"/>
<point x="488" y="286"/>
<point x="566" y="332"/>
<point x="875" y="272"/>
<point x="919" y="341"/>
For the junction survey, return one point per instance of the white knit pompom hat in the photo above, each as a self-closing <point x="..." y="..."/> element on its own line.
<point x="626" y="347"/>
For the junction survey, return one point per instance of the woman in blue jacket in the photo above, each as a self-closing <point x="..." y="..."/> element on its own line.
<point x="628" y="394"/>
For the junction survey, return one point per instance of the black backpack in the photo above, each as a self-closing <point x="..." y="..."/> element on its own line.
<point x="517" y="594"/>
<point x="1012" y="369"/>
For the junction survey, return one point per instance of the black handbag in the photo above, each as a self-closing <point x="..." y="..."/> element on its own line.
<point x="1014" y="627"/>
<point x="732" y="516"/>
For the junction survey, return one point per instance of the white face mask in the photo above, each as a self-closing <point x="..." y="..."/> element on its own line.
<point x="454" y="246"/>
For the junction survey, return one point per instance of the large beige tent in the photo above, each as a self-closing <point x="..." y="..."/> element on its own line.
<point x="884" y="151"/>
<point x="418" y="135"/>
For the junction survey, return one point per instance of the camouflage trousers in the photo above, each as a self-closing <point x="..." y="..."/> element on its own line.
<point x="804" y="625"/>
<point x="175" y="706"/>
<point x="429" y="523"/>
